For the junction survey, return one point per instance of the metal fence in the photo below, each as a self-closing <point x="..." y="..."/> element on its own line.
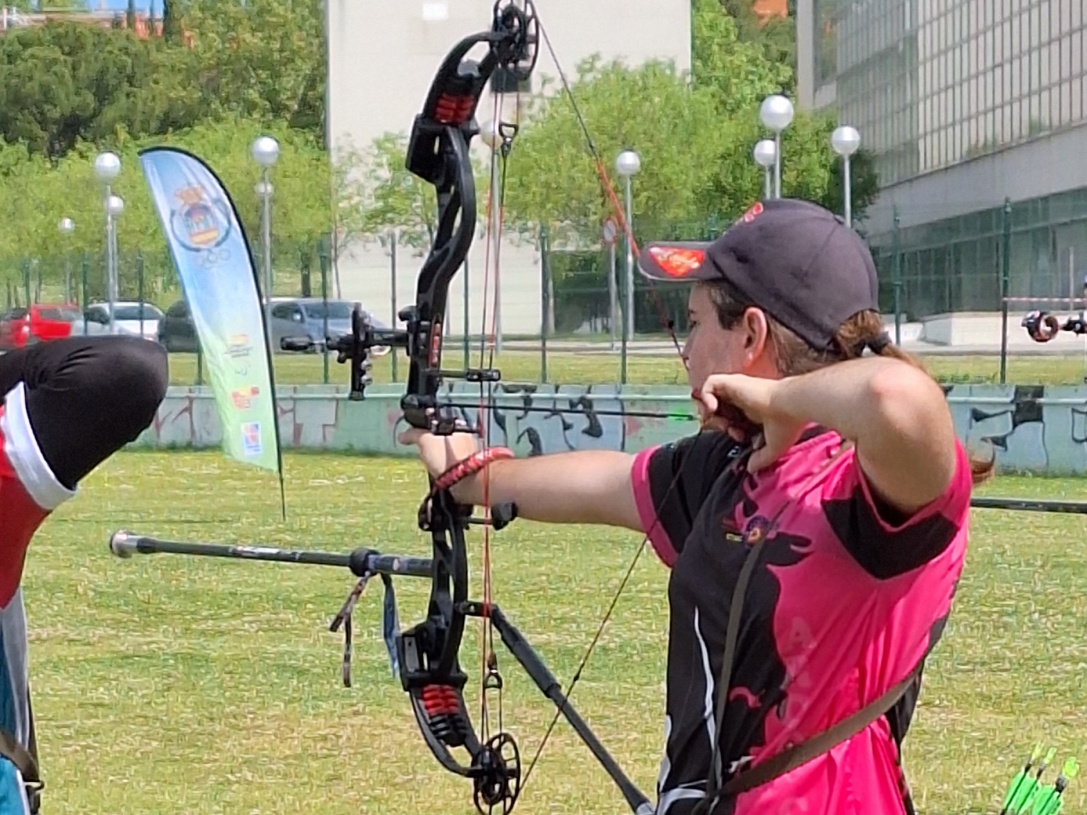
<point x="978" y="261"/>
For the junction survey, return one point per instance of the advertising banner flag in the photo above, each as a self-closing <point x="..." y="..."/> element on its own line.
<point x="221" y="287"/>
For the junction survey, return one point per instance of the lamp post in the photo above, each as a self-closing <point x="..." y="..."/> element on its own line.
<point x="489" y="135"/>
<point x="766" y="152"/>
<point x="776" y="114"/>
<point x="265" y="152"/>
<point x="627" y="164"/>
<point x="66" y="227"/>
<point x="845" y="140"/>
<point x="107" y="166"/>
<point x="115" y="205"/>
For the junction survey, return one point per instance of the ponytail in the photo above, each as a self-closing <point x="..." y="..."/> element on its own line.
<point x="861" y="333"/>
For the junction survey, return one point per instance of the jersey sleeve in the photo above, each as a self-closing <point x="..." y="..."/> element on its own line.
<point x="883" y="543"/>
<point x="672" y="481"/>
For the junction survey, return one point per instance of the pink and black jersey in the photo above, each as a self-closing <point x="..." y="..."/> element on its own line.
<point x="845" y="600"/>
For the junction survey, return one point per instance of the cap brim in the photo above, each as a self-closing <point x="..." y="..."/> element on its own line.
<point x="675" y="261"/>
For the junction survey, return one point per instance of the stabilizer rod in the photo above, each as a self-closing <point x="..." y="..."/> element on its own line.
<point x="362" y="561"/>
<point x="538" y="671"/>
<point x="1030" y="505"/>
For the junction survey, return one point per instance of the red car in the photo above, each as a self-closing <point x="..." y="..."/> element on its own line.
<point x="41" y="323"/>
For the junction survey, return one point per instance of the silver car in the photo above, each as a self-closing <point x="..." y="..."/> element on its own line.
<point x="311" y="316"/>
<point x="129" y="317"/>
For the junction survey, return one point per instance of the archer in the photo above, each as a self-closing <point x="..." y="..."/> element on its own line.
<point x="815" y="527"/>
<point x="68" y="405"/>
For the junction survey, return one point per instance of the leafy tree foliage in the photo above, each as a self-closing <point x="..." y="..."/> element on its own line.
<point x="65" y="82"/>
<point x="36" y="192"/>
<point x="775" y="37"/>
<point x="224" y="71"/>
<point x="44" y="5"/>
<point x="697" y="171"/>
<point x="262" y="59"/>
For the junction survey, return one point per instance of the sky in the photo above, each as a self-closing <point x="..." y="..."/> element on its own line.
<point x="121" y="5"/>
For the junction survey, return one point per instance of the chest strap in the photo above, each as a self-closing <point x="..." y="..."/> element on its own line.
<point x="799" y="754"/>
<point x="804" y="752"/>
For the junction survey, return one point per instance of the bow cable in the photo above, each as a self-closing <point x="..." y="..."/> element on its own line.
<point x="501" y="145"/>
<point x="669" y="326"/>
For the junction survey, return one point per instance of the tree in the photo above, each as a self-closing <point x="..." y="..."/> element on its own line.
<point x="552" y="175"/>
<point x="774" y="36"/>
<point x="65" y="82"/>
<point x="262" y="59"/>
<point x="36" y="193"/>
<point x="171" y="22"/>
<point x="730" y="61"/>
<point x="390" y="197"/>
<point x="47" y="5"/>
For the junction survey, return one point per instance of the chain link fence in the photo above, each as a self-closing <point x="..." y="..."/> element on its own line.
<point x="930" y="263"/>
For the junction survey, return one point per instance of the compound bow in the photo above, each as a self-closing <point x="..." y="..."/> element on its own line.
<point x="426" y="655"/>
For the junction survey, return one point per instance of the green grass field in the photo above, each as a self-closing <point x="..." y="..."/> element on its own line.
<point x="660" y="369"/>
<point x="169" y="684"/>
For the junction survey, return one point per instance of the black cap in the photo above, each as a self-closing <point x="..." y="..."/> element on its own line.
<point x="795" y="260"/>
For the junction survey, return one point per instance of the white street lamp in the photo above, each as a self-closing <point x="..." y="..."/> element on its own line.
<point x="115" y="205"/>
<point x="766" y="151"/>
<point x="107" y="166"/>
<point x="845" y="140"/>
<point x="776" y="114"/>
<point x="66" y="227"/>
<point x="627" y="164"/>
<point x="265" y="152"/>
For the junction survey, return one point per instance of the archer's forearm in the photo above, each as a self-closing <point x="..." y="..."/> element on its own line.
<point x="586" y="486"/>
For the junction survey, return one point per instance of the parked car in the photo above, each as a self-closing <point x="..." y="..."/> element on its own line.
<point x="41" y="322"/>
<point x="177" y="332"/>
<point x="127" y="316"/>
<point x="308" y="315"/>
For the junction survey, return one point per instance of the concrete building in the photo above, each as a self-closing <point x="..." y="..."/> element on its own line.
<point x="382" y="58"/>
<point x="965" y="103"/>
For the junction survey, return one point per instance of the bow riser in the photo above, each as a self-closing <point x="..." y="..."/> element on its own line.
<point x="456" y="226"/>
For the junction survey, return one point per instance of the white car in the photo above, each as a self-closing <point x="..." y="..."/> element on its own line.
<point x="127" y="316"/>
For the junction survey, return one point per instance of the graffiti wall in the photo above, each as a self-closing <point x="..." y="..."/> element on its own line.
<point x="1039" y="429"/>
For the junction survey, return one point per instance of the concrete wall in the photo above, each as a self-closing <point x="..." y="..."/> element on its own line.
<point x="1038" y="429"/>
<point x="1040" y="167"/>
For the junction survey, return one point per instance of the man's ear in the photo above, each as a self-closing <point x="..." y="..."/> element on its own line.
<point x="756" y="334"/>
